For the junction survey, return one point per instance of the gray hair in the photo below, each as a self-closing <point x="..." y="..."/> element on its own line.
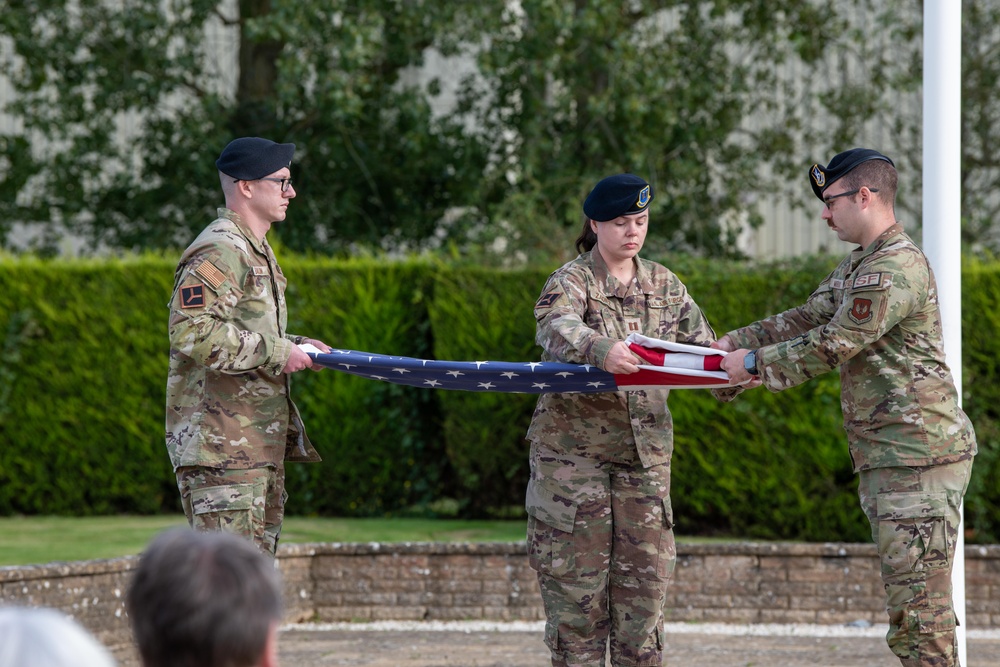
<point x="203" y="600"/>
<point x="39" y="637"/>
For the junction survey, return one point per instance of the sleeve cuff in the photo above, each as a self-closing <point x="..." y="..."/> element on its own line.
<point x="279" y="357"/>
<point x="599" y="351"/>
<point x="743" y="340"/>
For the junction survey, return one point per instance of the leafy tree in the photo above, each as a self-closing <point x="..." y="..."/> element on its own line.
<point x="981" y="124"/>
<point x="121" y="106"/>
<point x="124" y="106"/>
<point x="686" y="94"/>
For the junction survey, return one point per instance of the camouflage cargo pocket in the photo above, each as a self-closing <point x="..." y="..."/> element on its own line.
<point x="550" y="528"/>
<point x="911" y="530"/>
<point x="228" y="508"/>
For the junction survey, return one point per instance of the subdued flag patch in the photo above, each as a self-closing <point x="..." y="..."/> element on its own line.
<point x="211" y="274"/>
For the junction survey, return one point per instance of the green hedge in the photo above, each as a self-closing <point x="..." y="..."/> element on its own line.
<point x="83" y="360"/>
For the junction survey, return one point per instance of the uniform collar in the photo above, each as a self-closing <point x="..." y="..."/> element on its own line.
<point x="883" y="238"/>
<point x="259" y="245"/>
<point x="612" y="286"/>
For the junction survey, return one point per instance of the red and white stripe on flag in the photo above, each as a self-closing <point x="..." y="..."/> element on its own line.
<point x="670" y="364"/>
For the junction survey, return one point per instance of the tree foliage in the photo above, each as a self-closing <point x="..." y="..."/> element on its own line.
<point x="981" y="124"/>
<point x="119" y="108"/>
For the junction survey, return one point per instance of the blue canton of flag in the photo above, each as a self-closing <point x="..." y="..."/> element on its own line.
<point x="513" y="377"/>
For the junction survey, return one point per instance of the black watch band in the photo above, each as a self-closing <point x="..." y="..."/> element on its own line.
<point x="750" y="362"/>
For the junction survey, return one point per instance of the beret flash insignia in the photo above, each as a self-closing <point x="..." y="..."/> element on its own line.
<point x="643" y="197"/>
<point x="819" y="178"/>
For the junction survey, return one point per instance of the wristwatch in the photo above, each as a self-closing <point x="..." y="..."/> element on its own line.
<point x="750" y="362"/>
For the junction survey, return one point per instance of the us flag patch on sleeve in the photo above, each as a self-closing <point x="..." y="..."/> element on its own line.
<point x="211" y="274"/>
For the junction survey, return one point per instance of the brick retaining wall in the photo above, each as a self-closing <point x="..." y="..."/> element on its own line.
<point x="722" y="582"/>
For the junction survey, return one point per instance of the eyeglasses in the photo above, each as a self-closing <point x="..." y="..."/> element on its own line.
<point x="829" y="200"/>
<point x="285" y="182"/>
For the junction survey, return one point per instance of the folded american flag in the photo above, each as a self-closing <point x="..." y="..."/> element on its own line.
<point x="670" y="366"/>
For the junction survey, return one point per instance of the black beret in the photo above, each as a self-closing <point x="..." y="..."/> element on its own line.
<point x="250" y="158"/>
<point x="821" y="177"/>
<point x="617" y="195"/>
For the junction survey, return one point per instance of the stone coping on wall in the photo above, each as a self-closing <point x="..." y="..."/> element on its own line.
<point x="736" y="582"/>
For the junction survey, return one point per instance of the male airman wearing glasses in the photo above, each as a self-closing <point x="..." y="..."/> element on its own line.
<point x="231" y="423"/>
<point x="876" y="318"/>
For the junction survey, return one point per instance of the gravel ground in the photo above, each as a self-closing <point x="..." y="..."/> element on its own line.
<point x="479" y="644"/>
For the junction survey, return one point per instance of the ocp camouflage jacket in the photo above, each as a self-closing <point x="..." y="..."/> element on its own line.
<point x="228" y="403"/>
<point x="877" y="318"/>
<point x="582" y="312"/>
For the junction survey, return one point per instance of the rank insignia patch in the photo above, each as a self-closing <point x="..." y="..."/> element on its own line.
<point x="547" y="300"/>
<point x="861" y="311"/>
<point x="193" y="296"/>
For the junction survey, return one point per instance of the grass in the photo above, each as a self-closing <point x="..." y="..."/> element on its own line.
<point x="47" y="539"/>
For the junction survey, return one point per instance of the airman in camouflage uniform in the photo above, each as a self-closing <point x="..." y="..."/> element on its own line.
<point x="600" y="526"/>
<point x="230" y="422"/>
<point x="876" y="317"/>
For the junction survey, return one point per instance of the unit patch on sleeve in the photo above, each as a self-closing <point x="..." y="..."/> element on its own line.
<point x="861" y="310"/>
<point x="193" y="296"/>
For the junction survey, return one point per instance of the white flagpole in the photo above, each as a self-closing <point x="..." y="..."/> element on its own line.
<point x="942" y="207"/>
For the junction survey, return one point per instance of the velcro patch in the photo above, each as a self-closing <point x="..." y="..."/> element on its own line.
<point x="871" y="281"/>
<point x="193" y="296"/>
<point x="836" y="283"/>
<point x="211" y="274"/>
<point x="861" y="310"/>
<point x="547" y="300"/>
<point x="260" y="271"/>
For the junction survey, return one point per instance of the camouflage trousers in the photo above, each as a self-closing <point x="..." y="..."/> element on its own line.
<point x="249" y="503"/>
<point x="914" y="515"/>
<point x="600" y="537"/>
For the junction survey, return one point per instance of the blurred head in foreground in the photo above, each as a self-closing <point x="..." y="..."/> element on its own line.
<point x="205" y="600"/>
<point x="47" y="638"/>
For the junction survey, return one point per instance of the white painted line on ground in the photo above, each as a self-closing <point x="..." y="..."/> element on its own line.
<point x="726" y="629"/>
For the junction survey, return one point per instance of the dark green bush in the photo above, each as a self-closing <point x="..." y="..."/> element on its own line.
<point x="379" y="442"/>
<point x="84" y="358"/>
<point x="477" y="315"/>
<point x="766" y="465"/>
<point x="83" y="362"/>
